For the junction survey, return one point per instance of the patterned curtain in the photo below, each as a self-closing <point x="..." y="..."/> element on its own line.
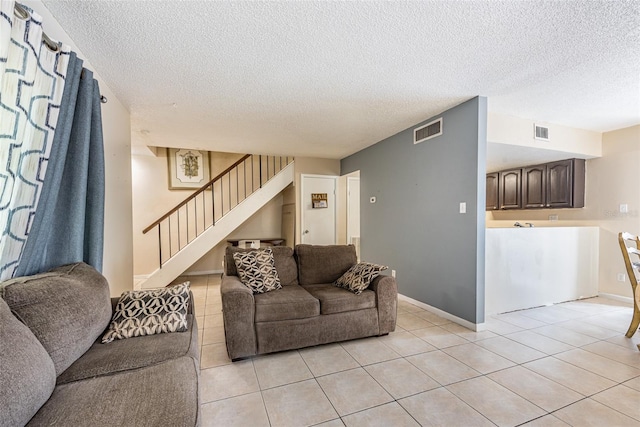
<point x="32" y="78"/>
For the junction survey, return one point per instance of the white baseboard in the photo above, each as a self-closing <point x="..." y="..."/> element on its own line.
<point x="616" y="297"/>
<point x="202" y="273"/>
<point x="477" y="327"/>
<point x="138" y="279"/>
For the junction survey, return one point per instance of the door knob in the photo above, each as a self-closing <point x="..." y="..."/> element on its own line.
<point x="306" y="231"/>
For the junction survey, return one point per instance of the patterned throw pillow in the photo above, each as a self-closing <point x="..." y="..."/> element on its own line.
<point x="358" y="277"/>
<point x="257" y="270"/>
<point x="149" y="312"/>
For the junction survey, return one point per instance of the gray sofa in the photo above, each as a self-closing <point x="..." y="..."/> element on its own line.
<point x="55" y="371"/>
<point x="309" y="310"/>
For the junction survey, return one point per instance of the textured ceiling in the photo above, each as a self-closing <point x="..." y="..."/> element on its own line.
<point x="329" y="78"/>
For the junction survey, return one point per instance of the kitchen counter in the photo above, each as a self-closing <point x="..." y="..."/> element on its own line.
<point x="531" y="267"/>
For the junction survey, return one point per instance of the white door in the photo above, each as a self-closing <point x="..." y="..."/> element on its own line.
<point x="318" y="224"/>
<point x="353" y="208"/>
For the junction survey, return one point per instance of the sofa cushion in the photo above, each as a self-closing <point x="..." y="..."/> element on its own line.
<point x="324" y="264"/>
<point x="257" y="270"/>
<point x="27" y="374"/>
<point x="337" y="300"/>
<point x="133" y="353"/>
<point x="67" y="309"/>
<point x="358" y="277"/>
<point x="290" y="302"/>
<point x="149" y="312"/>
<point x="283" y="259"/>
<point x="165" y="394"/>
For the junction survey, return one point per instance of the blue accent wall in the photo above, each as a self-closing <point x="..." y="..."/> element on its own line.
<point x="415" y="226"/>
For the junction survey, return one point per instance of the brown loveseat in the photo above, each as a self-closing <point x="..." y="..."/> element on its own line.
<point x="54" y="370"/>
<point x="309" y="310"/>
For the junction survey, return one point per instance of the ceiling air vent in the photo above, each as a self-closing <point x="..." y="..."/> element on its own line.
<point x="541" y="133"/>
<point x="428" y="131"/>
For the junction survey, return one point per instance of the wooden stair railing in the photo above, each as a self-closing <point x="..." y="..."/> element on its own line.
<point x="200" y="211"/>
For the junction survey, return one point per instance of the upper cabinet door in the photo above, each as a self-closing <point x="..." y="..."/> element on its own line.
<point x="559" y="184"/>
<point x="565" y="183"/>
<point x="492" y="192"/>
<point x="510" y="189"/>
<point x="534" y="180"/>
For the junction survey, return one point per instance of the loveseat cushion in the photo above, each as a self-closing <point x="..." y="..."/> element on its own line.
<point x="337" y="300"/>
<point x="66" y="309"/>
<point x="133" y="353"/>
<point x="289" y="302"/>
<point x="283" y="258"/>
<point x="165" y="394"/>
<point x="324" y="264"/>
<point x="27" y="375"/>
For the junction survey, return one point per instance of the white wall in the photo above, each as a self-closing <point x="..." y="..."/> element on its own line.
<point x="618" y="182"/>
<point x="532" y="267"/>
<point x="503" y="129"/>
<point x="118" y="248"/>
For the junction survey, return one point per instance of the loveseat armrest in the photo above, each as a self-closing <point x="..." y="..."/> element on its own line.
<point x="386" y="289"/>
<point x="238" y="313"/>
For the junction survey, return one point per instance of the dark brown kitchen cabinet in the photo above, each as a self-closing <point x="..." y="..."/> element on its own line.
<point x="510" y="190"/>
<point x="551" y="185"/>
<point x="492" y="192"/>
<point x="565" y="184"/>
<point x="534" y="187"/>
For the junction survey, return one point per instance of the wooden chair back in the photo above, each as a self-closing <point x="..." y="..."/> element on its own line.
<point x="630" y="247"/>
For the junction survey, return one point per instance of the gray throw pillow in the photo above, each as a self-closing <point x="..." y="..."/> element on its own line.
<point x="27" y="374"/>
<point x="257" y="270"/>
<point x="149" y="312"/>
<point x="359" y="277"/>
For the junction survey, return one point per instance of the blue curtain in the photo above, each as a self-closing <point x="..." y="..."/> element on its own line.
<point x="68" y="225"/>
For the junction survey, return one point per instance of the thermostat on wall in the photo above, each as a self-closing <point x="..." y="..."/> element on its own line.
<point x="372" y="199"/>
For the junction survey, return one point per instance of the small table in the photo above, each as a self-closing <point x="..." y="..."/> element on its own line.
<point x="277" y="241"/>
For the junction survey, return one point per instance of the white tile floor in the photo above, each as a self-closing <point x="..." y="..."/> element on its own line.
<point x="568" y="364"/>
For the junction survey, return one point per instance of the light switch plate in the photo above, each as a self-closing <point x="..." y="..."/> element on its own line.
<point x="624" y="208"/>
<point x="463" y="207"/>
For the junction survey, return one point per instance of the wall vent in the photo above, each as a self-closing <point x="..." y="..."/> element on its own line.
<point x="541" y="133"/>
<point x="428" y="131"/>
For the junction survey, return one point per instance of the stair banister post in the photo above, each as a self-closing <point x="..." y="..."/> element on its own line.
<point x="160" y="245"/>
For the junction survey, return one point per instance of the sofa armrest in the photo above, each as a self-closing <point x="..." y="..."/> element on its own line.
<point x="238" y="312"/>
<point x="386" y="290"/>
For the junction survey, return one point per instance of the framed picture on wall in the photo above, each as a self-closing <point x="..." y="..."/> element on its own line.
<point x="188" y="169"/>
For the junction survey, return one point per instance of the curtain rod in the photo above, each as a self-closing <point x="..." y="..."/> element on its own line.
<point x="23" y="13"/>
